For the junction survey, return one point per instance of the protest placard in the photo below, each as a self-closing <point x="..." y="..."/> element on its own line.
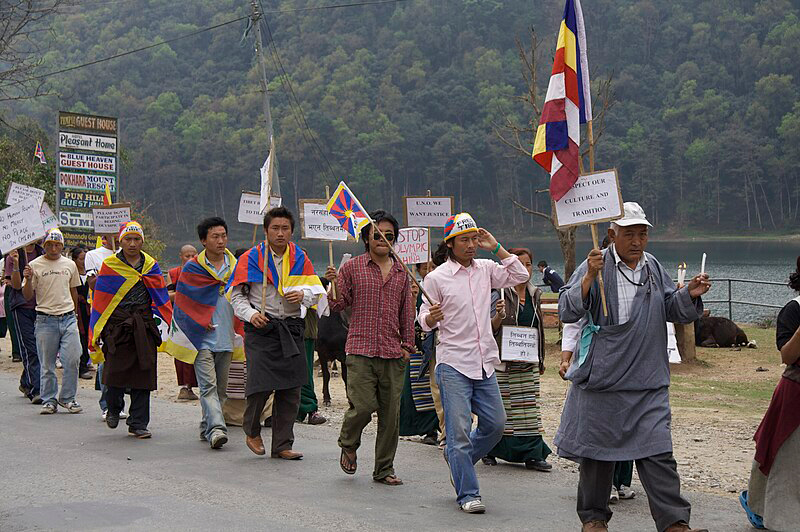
<point x="427" y="211"/>
<point x="413" y="245"/>
<point x="20" y="224"/>
<point x="316" y="222"/>
<point x="249" y="206"/>
<point x="108" y="218"/>
<point x="519" y="344"/>
<point x="18" y="193"/>
<point x="595" y="198"/>
<point x="49" y="220"/>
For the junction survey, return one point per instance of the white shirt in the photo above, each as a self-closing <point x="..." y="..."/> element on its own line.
<point x="94" y="259"/>
<point x="626" y="289"/>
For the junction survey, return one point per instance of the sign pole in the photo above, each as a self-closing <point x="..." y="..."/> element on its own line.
<point x="330" y="244"/>
<point x="593" y="227"/>
<point x="114" y="244"/>
<point x="270" y="169"/>
<point x="255" y="232"/>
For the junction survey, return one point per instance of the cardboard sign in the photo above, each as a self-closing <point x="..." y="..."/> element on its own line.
<point x="594" y="198"/>
<point x="249" y="206"/>
<point x="413" y="245"/>
<point x="108" y="218"/>
<point x="425" y="211"/>
<point x="520" y="344"/>
<point x="18" y="193"/>
<point x="76" y="141"/>
<point x="317" y="223"/>
<point x="20" y="224"/>
<point x="49" y="220"/>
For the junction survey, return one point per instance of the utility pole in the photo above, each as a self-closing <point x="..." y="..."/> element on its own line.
<point x="255" y="17"/>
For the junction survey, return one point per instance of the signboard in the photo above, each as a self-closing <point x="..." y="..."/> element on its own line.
<point x="108" y="218"/>
<point x="76" y="141"/>
<point x="520" y="344"/>
<point x="249" y="206"/>
<point x="87" y="163"/>
<point x="20" y="224"/>
<point x="18" y="193"/>
<point x="49" y="220"/>
<point x="594" y="198"/>
<point x="413" y="245"/>
<point x="427" y="211"/>
<point x="316" y="222"/>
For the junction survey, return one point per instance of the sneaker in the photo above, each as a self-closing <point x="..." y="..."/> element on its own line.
<point x="104" y="414"/>
<point x="218" y="439"/>
<point x="315" y="418"/>
<point x="48" y="408"/>
<point x="86" y="375"/>
<point x="36" y="400"/>
<point x="15" y="357"/>
<point x="429" y="439"/>
<point x="625" y="492"/>
<point x="123" y="415"/>
<point x="112" y="420"/>
<point x="614" y="498"/>
<point x="72" y="407"/>
<point x="141" y="434"/>
<point x="475" y="506"/>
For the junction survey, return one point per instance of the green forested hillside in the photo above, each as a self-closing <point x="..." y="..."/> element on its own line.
<point x="705" y="129"/>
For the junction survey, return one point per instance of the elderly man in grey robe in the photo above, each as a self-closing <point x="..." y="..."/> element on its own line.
<point x="618" y="407"/>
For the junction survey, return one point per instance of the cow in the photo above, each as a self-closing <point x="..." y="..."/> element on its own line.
<point x="714" y="331"/>
<point x="330" y="347"/>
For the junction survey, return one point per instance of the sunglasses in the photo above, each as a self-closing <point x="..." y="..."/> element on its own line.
<point x="389" y="236"/>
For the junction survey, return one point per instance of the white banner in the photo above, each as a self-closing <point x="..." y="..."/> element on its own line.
<point x="76" y="141"/>
<point x="49" y="220"/>
<point x="428" y="211"/>
<point x="85" y="161"/>
<point x="594" y="198"/>
<point x="520" y="344"/>
<point x="18" y="193"/>
<point x="413" y="245"/>
<point x="20" y="224"/>
<point x="317" y="223"/>
<point x="249" y="206"/>
<point x="108" y="218"/>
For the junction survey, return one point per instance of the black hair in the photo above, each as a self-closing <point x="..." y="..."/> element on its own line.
<point x="794" y="278"/>
<point x="278" y="212"/>
<point x="542" y="263"/>
<point x="606" y="243"/>
<point x="378" y="217"/>
<point x="76" y="251"/>
<point x="442" y="253"/>
<point x="208" y="223"/>
<point x="239" y="252"/>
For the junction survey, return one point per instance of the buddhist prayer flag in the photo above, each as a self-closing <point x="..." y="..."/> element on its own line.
<point x="39" y="153"/>
<point x="347" y="210"/>
<point x="568" y="104"/>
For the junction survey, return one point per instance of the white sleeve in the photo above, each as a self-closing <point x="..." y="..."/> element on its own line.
<point x="571" y="334"/>
<point x="241" y="304"/>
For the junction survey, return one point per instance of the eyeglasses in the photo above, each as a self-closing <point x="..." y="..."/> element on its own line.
<point x="389" y="236"/>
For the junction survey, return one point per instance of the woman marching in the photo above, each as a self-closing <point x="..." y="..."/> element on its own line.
<point x="522" y="440"/>
<point x="772" y="500"/>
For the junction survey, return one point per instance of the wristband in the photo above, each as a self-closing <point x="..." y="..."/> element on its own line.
<point x="496" y="249"/>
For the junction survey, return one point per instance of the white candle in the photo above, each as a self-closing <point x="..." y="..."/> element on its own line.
<point x="703" y="265"/>
<point x="681" y="273"/>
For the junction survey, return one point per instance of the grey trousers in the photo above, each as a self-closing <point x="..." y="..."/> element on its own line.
<point x="659" y="476"/>
<point x="284" y="411"/>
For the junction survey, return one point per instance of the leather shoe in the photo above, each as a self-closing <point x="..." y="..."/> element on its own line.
<point x="595" y="526"/>
<point x="315" y="418"/>
<point x="288" y="455"/>
<point x="256" y="445"/>
<point x="680" y="526"/>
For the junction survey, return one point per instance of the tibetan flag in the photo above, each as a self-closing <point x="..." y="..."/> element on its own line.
<point x="568" y="104"/>
<point x="348" y="211"/>
<point x="297" y="272"/>
<point x="39" y="153"/>
<point x="107" y="195"/>
<point x="114" y="281"/>
<point x="197" y="294"/>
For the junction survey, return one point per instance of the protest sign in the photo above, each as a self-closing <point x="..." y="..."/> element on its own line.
<point x="595" y="198"/>
<point x="108" y="218"/>
<point x="49" y="220"/>
<point x="413" y="245"/>
<point x="20" y="224"/>
<point x="249" y="206"/>
<point x="519" y="344"/>
<point x="18" y="193"/>
<point x="316" y="222"/>
<point x="428" y="211"/>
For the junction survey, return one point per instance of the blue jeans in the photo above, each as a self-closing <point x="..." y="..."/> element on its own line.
<point x="25" y="328"/>
<point x="54" y="335"/>
<point x="211" y="369"/>
<point x="461" y="396"/>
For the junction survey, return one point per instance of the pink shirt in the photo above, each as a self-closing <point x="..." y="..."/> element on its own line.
<point x="465" y="335"/>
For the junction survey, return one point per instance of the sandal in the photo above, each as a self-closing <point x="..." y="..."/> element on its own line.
<point x="390" y="480"/>
<point x="347" y="464"/>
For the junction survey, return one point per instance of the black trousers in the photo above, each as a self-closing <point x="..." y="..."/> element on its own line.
<point x="284" y="411"/>
<point x="659" y="476"/>
<point x="139" y="411"/>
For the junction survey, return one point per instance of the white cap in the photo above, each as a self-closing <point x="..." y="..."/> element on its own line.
<point x="634" y="215"/>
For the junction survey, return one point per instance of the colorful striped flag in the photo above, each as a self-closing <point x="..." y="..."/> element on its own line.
<point x="297" y="271"/>
<point x="39" y="153"/>
<point x="347" y="210"/>
<point x="568" y="105"/>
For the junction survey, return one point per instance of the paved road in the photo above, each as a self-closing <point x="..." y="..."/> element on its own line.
<point x="70" y="472"/>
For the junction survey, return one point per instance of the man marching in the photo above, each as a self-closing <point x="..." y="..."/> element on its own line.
<point x="467" y="352"/>
<point x="618" y="407"/>
<point x="274" y="327"/>
<point x="204" y="316"/>
<point x="129" y="288"/>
